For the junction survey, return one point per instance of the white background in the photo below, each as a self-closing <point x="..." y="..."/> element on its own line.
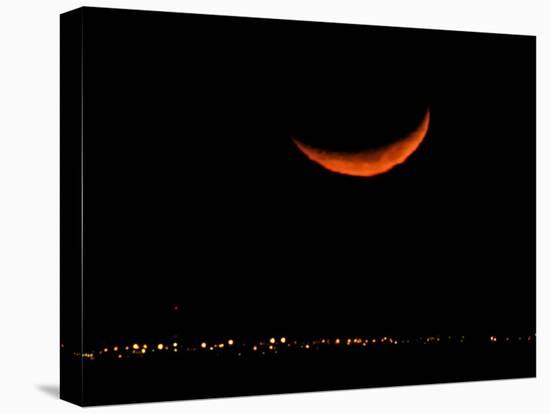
<point x="29" y="204"/>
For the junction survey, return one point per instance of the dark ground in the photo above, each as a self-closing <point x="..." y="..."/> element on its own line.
<point x="168" y="376"/>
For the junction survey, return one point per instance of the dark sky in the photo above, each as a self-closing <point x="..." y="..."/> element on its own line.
<point x="196" y="195"/>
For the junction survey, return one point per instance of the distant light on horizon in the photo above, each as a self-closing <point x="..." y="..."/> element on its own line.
<point x="275" y="345"/>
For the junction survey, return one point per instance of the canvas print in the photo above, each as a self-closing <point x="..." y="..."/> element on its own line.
<point x="258" y="206"/>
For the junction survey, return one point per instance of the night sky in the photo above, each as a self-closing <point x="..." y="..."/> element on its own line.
<point x="196" y="196"/>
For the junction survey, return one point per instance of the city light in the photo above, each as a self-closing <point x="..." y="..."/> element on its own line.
<point x="263" y="346"/>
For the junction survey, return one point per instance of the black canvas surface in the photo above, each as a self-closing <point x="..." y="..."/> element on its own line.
<point x="257" y="206"/>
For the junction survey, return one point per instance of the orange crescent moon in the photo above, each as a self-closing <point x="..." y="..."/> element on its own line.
<point x="368" y="162"/>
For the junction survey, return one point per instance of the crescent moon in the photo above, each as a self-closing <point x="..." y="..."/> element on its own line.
<point x="370" y="162"/>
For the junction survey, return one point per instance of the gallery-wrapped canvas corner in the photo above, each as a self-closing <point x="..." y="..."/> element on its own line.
<point x="257" y="206"/>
